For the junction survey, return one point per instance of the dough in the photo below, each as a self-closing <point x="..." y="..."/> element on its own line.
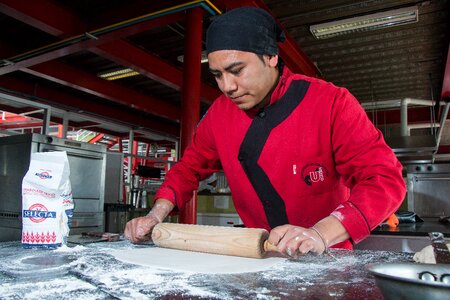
<point x="426" y="255"/>
<point x="194" y="262"/>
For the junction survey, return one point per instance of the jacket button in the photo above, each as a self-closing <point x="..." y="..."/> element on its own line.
<point x="262" y="114"/>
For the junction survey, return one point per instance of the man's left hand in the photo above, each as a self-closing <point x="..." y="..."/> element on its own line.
<point x="294" y="240"/>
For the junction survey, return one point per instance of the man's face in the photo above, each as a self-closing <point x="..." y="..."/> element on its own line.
<point x="243" y="76"/>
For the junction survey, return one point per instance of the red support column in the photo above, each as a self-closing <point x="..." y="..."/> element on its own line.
<point x="190" y="112"/>
<point x="134" y="160"/>
<point x="60" y="131"/>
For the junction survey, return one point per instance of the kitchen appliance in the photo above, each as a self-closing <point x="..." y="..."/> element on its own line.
<point x="412" y="281"/>
<point x="429" y="190"/>
<point x="87" y="176"/>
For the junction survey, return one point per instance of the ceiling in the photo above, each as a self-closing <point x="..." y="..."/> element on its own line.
<point x="52" y="51"/>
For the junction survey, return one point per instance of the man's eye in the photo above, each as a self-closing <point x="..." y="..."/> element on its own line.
<point x="236" y="71"/>
<point x="217" y="75"/>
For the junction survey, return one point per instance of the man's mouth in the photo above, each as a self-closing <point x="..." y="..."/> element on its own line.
<point x="237" y="98"/>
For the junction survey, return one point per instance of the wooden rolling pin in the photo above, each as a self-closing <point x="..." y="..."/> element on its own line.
<point x="246" y="242"/>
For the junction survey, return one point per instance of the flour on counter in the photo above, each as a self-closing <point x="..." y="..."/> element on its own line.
<point x="66" y="249"/>
<point x="194" y="262"/>
<point x="90" y="272"/>
<point x="40" y="289"/>
<point x="138" y="282"/>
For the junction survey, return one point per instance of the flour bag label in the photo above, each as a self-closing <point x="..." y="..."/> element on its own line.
<point x="47" y="203"/>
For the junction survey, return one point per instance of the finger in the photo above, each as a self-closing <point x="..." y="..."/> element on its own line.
<point x="292" y="238"/>
<point x="128" y="231"/>
<point x="319" y="244"/>
<point x="311" y="244"/>
<point x="296" y="241"/>
<point x="307" y="245"/>
<point x="277" y="234"/>
<point x="135" y="231"/>
<point x="142" y="230"/>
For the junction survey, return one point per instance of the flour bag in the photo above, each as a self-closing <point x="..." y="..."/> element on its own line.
<point x="47" y="203"/>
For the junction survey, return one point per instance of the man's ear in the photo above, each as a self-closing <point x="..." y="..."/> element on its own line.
<point x="273" y="60"/>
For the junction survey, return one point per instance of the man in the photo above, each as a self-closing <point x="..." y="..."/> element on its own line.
<point x="301" y="157"/>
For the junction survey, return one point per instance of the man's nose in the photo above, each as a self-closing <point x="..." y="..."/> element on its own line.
<point x="229" y="84"/>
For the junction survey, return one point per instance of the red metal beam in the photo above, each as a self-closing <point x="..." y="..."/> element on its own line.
<point x="118" y="51"/>
<point x="45" y="15"/>
<point x="105" y="131"/>
<point x="96" y="138"/>
<point x="53" y="97"/>
<point x="74" y="125"/>
<point x="125" y="54"/>
<point x="87" y="44"/>
<point x="14" y="118"/>
<point x="33" y="124"/>
<point x="7" y="126"/>
<point x="69" y="76"/>
<point x="120" y="12"/>
<point x="86" y="124"/>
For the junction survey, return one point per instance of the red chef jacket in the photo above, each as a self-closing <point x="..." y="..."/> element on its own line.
<point x="310" y="153"/>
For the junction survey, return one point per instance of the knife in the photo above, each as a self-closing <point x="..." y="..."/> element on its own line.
<point x="441" y="252"/>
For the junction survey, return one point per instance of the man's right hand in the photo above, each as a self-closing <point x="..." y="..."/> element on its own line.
<point x="139" y="230"/>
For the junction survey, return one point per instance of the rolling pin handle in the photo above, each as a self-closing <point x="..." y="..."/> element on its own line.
<point x="269" y="247"/>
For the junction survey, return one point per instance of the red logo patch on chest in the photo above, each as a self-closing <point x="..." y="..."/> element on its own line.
<point x="314" y="173"/>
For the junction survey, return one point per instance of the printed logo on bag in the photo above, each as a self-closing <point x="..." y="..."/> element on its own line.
<point x="38" y="238"/>
<point x="38" y="213"/>
<point x="66" y="195"/>
<point x="30" y="191"/>
<point x="43" y="175"/>
<point x="67" y="198"/>
<point x="314" y="173"/>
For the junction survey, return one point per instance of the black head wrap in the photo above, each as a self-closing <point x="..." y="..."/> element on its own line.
<point x="249" y="29"/>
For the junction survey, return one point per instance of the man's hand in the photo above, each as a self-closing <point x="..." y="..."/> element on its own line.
<point x="139" y="229"/>
<point x="295" y="240"/>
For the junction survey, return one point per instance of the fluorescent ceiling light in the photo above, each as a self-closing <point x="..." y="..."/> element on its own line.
<point x="118" y="74"/>
<point x="364" y="23"/>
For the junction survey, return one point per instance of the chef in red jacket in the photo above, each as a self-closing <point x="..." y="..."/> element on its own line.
<point x="301" y="157"/>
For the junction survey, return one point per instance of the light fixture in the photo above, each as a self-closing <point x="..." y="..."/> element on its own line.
<point x="118" y="74"/>
<point x="204" y="58"/>
<point x="379" y="20"/>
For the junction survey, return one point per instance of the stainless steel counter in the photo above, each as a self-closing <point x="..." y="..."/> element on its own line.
<point x="409" y="237"/>
<point x="89" y="272"/>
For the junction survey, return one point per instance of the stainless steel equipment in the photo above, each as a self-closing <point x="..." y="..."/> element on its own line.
<point x="114" y="178"/>
<point x="87" y="175"/>
<point x="412" y="281"/>
<point x="429" y="189"/>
